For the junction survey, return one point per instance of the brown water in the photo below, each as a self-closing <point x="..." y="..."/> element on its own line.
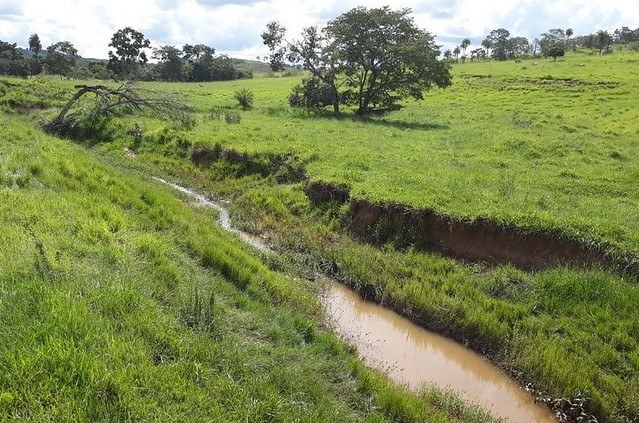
<point x="408" y="353"/>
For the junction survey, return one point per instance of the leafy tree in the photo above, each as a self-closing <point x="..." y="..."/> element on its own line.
<point x="129" y="54"/>
<point x="487" y="45"/>
<point x="171" y="65"/>
<point x="9" y="51"/>
<point x="192" y="53"/>
<point x="61" y="58"/>
<point x="35" y="45"/>
<point x="12" y="62"/>
<point x="499" y="40"/>
<point x="553" y="43"/>
<point x="377" y="55"/>
<point x="520" y="45"/>
<point x="603" y="40"/>
<point x="456" y="52"/>
<point x="448" y="55"/>
<point x="464" y="44"/>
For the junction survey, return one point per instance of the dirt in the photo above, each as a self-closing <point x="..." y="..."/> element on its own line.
<point x="479" y="240"/>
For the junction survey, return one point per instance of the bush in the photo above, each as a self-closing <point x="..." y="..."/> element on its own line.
<point x="311" y="93"/>
<point x="244" y="97"/>
<point x="232" y="117"/>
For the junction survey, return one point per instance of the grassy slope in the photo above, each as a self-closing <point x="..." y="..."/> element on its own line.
<point x="512" y="147"/>
<point x="119" y="302"/>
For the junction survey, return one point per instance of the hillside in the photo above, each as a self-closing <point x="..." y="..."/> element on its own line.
<point x="539" y="153"/>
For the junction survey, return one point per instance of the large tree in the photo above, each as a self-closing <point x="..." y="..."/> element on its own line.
<point x="129" y="54"/>
<point x="61" y="58"/>
<point x="553" y="43"/>
<point x="171" y="64"/>
<point x="499" y="41"/>
<point x="370" y="58"/>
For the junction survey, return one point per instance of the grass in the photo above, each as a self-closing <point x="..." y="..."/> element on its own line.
<point x="119" y="302"/>
<point x="539" y="144"/>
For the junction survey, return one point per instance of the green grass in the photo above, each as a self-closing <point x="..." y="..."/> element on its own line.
<point x="539" y="144"/>
<point x="119" y="302"/>
<point x="520" y="146"/>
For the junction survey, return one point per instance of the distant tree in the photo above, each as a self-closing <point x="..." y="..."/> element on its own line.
<point x="35" y="45"/>
<point x="448" y="55"/>
<point x="464" y="44"/>
<point x="61" y="58"/>
<point x="129" y="54"/>
<point x="569" y="32"/>
<point x="192" y="53"/>
<point x="625" y="35"/>
<point x="171" y="64"/>
<point x="456" y="52"/>
<point x="553" y="43"/>
<point x="12" y="62"/>
<point x="478" y="54"/>
<point x="520" y="45"/>
<point x="487" y="45"/>
<point x="9" y="51"/>
<point x="500" y="43"/>
<point x="378" y="54"/>
<point x="535" y="46"/>
<point x="603" y="40"/>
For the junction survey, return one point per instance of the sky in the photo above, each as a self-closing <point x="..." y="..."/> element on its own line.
<point x="234" y="27"/>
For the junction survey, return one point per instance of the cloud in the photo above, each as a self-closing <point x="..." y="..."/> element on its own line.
<point x="234" y="26"/>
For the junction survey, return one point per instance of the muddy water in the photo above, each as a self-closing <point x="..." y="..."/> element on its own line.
<point x="409" y="354"/>
<point x="413" y="356"/>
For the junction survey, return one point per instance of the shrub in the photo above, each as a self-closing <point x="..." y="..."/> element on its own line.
<point x="311" y="93"/>
<point x="232" y="117"/>
<point x="244" y="97"/>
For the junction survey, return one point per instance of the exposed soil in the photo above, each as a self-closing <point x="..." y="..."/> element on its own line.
<point x="479" y="240"/>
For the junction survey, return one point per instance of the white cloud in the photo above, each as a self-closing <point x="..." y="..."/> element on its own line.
<point x="235" y="26"/>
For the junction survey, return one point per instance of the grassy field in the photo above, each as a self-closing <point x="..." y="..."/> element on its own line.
<point x="119" y="302"/>
<point x="513" y="142"/>
<point x="538" y="144"/>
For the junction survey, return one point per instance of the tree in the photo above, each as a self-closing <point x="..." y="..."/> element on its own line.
<point x="520" y="45"/>
<point x="448" y="55"/>
<point x="129" y="54"/>
<point x="35" y="45"/>
<point x="171" y="65"/>
<point x="192" y="53"/>
<point x="61" y="58"/>
<point x="378" y="56"/>
<point x="487" y="44"/>
<point x="553" y="43"/>
<point x="500" y="43"/>
<point x="9" y="51"/>
<point x="456" y="52"/>
<point x="603" y="40"/>
<point x="464" y="44"/>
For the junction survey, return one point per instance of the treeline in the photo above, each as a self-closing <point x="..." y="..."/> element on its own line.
<point x="500" y="45"/>
<point x="127" y="61"/>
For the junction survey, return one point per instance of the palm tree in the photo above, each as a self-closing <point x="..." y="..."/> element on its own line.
<point x="35" y="45"/>
<point x="456" y="52"/>
<point x="487" y="44"/>
<point x="464" y="44"/>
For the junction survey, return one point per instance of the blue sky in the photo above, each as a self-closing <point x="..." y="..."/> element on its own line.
<point x="234" y="26"/>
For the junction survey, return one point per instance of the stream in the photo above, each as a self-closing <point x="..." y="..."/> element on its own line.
<point x="409" y="354"/>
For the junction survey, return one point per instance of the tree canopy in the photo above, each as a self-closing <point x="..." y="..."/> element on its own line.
<point x="129" y="54"/>
<point x="370" y="58"/>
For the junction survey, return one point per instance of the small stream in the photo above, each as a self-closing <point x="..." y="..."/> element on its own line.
<point x="409" y="354"/>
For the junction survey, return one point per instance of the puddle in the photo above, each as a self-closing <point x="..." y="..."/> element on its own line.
<point x="408" y="353"/>
<point x="413" y="356"/>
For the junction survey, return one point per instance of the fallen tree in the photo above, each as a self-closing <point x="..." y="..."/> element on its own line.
<point x="109" y="101"/>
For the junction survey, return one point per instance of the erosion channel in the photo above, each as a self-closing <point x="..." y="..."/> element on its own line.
<point x="409" y="354"/>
